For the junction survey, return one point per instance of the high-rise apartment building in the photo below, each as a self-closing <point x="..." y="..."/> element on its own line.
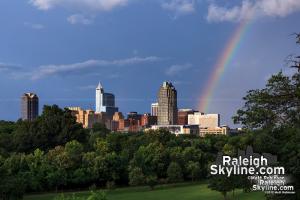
<point x="29" y="106"/>
<point x="167" y="104"/>
<point x="105" y="102"/>
<point x="154" y="109"/>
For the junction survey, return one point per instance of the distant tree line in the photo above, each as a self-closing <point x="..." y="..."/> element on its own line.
<point x="56" y="153"/>
<point x="78" y="158"/>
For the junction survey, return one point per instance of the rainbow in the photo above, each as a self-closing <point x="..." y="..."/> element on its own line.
<point x="222" y="63"/>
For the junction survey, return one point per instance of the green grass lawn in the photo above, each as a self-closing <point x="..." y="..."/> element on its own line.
<point x="184" y="192"/>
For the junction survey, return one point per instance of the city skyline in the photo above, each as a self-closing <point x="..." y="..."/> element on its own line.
<point x="164" y="115"/>
<point x="107" y="100"/>
<point x="60" y="52"/>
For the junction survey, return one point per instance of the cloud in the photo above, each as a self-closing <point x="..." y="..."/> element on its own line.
<point x="114" y="76"/>
<point x="94" y="5"/>
<point x="34" y="26"/>
<point x="11" y="70"/>
<point x="79" y="19"/>
<point x="9" y="67"/>
<point x="180" y="7"/>
<point x="178" y="82"/>
<point x="176" y="69"/>
<point x="252" y="9"/>
<point x="87" y="87"/>
<point x="50" y="70"/>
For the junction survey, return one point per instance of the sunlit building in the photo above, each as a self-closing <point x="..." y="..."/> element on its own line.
<point x="29" y="106"/>
<point x="223" y="130"/>
<point x="87" y="117"/>
<point x="204" y="120"/>
<point x="167" y="104"/>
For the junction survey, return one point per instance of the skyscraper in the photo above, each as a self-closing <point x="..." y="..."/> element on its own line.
<point x="29" y="106"/>
<point x="105" y="102"/>
<point x="167" y="104"/>
<point x="99" y="98"/>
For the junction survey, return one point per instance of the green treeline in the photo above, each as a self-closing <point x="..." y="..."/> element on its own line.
<point x="79" y="158"/>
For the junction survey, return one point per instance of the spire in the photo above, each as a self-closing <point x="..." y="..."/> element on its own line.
<point x="99" y="86"/>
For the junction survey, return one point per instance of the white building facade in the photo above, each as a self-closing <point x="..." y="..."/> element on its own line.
<point x="105" y="102"/>
<point x="204" y="120"/>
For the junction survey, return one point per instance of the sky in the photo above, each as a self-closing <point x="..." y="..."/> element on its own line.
<point x="61" y="49"/>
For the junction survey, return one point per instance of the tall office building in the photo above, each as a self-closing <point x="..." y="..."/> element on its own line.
<point x="154" y="109"/>
<point x="105" y="102"/>
<point x="167" y="104"/>
<point x="99" y="98"/>
<point x="29" y="106"/>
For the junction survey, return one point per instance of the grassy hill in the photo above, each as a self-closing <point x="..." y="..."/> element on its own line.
<point x="183" y="192"/>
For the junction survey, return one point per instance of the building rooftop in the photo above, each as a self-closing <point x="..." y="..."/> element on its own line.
<point x="30" y="94"/>
<point x="99" y="86"/>
<point x="167" y="84"/>
<point x="185" y="110"/>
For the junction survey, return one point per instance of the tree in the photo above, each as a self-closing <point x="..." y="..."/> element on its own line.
<point x="151" y="159"/>
<point x="6" y="136"/>
<point x="272" y="117"/>
<point x="174" y="172"/>
<point x="101" y="146"/>
<point x="176" y="154"/>
<point x="151" y="181"/>
<point x="88" y="163"/>
<point x="194" y="170"/>
<point x="74" y="151"/>
<point x="275" y="105"/>
<point x="100" y="128"/>
<point x="54" y="127"/>
<point x="37" y="165"/>
<point x="221" y="184"/>
<point x="59" y="163"/>
<point x="12" y="187"/>
<point x="136" y="177"/>
<point x="12" y="181"/>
